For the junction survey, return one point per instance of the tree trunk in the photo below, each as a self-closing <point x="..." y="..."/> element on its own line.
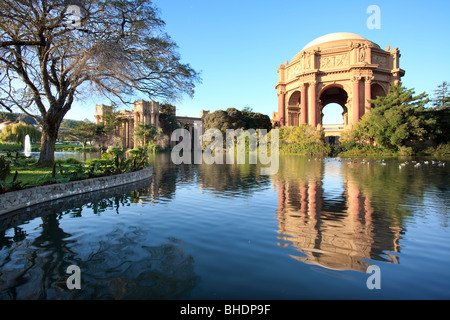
<point x="48" y="139"/>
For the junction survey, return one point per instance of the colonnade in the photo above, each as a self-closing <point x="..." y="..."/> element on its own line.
<point x="310" y="105"/>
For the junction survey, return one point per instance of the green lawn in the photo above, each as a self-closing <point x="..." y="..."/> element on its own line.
<point x="36" y="147"/>
<point x="29" y="175"/>
<point x="10" y="147"/>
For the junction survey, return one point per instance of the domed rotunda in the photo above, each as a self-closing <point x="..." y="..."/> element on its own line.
<point x="342" y="68"/>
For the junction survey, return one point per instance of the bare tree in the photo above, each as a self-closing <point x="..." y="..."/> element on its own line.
<point x="53" y="50"/>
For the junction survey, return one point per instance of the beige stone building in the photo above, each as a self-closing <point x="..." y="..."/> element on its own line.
<point x="146" y="112"/>
<point x="342" y="68"/>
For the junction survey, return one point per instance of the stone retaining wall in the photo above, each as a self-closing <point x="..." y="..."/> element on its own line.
<point x="15" y="200"/>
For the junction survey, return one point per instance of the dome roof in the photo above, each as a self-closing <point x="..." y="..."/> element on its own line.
<point x="333" y="40"/>
<point x="334" y="37"/>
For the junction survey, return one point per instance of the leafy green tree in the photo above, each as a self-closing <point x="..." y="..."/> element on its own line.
<point x="261" y="121"/>
<point x="106" y="133"/>
<point x="304" y="139"/>
<point x="104" y="138"/>
<point x="16" y="133"/>
<point x="7" y="116"/>
<point x="441" y="99"/>
<point x="117" y="48"/>
<point x="167" y="118"/>
<point x="83" y="132"/>
<point x="440" y="113"/>
<point x="303" y="134"/>
<point x="234" y="119"/>
<point x="218" y="119"/>
<point x="144" y="133"/>
<point x="395" y="120"/>
<point x="71" y="124"/>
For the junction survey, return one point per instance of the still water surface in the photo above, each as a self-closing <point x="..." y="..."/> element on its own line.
<point x="226" y="232"/>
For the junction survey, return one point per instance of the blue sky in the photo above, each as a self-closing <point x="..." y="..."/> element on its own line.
<point x="238" y="45"/>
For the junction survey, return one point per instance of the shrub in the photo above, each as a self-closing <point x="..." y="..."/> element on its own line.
<point x="11" y="186"/>
<point x="5" y="167"/>
<point x="10" y="147"/>
<point x="153" y="148"/>
<point x="72" y="161"/>
<point x="441" y="150"/>
<point x="405" y="151"/>
<point x="303" y="139"/>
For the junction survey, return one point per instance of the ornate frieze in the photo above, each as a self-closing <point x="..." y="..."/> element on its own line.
<point x="381" y="60"/>
<point x="294" y="70"/>
<point x="335" y="61"/>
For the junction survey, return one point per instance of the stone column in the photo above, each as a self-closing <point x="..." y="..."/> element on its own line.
<point x="281" y="108"/>
<point x="123" y="135"/>
<point x="304" y="199"/>
<point x="128" y="131"/>
<point x="346" y="113"/>
<point x="368" y="209"/>
<point x="395" y="53"/>
<point x="356" y="109"/>
<point x="157" y="120"/>
<point x="131" y="133"/>
<point x="354" y="205"/>
<point x="367" y="92"/>
<point x="320" y="115"/>
<point x="312" y="198"/>
<point x="125" y="125"/>
<point x="304" y="116"/>
<point x="281" y="196"/>
<point x="313" y="99"/>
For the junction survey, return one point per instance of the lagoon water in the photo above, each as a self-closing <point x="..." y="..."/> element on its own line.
<point x="311" y="231"/>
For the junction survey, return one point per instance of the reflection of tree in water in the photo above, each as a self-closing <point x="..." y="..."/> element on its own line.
<point x="6" y="241"/>
<point x="232" y="179"/>
<point x="391" y="185"/>
<point x="119" y="266"/>
<point x="224" y="180"/>
<point x="32" y="268"/>
<point x="124" y="268"/>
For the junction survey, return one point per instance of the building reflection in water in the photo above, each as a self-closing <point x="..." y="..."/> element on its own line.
<point x="324" y="210"/>
<point x="337" y="231"/>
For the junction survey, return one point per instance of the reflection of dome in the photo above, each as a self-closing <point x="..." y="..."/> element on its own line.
<point x="334" y="37"/>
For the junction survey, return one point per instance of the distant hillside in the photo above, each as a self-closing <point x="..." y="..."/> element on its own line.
<point x="17" y="117"/>
<point x="21" y="117"/>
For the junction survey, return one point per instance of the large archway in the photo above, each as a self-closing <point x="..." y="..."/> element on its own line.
<point x="332" y="113"/>
<point x="330" y="99"/>
<point x="293" y="109"/>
